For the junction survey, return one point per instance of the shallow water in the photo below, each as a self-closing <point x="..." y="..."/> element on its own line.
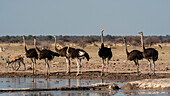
<point x="6" y="83"/>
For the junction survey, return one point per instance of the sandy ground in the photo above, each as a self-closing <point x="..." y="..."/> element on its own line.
<point x="119" y="67"/>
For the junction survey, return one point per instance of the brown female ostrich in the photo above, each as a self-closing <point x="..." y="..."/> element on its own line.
<point x="62" y="53"/>
<point x="134" y="55"/>
<point x="32" y="54"/>
<point x="46" y="55"/>
<point x="149" y="54"/>
<point x="104" y="53"/>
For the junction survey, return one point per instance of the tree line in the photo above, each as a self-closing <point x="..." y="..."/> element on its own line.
<point x="84" y="40"/>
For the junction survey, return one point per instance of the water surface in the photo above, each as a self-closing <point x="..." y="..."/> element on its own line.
<point x="6" y="83"/>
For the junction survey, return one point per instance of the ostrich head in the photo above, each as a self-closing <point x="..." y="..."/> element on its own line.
<point x="54" y="36"/>
<point x="34" y="36"/>
<point x="23" y="36"/>
<point x="141" y="33"/>
<point x="124" y="38"/>
<point x="102" y="30"/>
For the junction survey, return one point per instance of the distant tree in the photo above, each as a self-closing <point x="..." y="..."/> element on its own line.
<point x="151" y="40"/>
<point x="133" y="40"/>
<point x="49" y="37"/>
<point x="66" y="39"/>
<point x="109" y="38"/>
<point x="118" y="40"/>
<point x="166" y="40"/>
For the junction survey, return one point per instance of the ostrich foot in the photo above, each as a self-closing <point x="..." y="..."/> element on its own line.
<point x="77" y="74"/>
<point x="154" y="74"/>
<point x="68" y="72"/>
<point x="107" y="73"/>
<point x="102" y="74"/>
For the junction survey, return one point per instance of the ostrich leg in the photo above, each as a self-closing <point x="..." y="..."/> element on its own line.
<point x="107" y="64"/>
<point x="35" y="65"/>
<point x="80" y="66"/>
<point x="153" y="67"/>
<point x="77" y="66"/>
<point x="47" y="67"/>
<point x="32" y="65"/>
<point x="102" y="67"/>
<point x="137" y="64"/>
<point x="150" y="65"/>
<point x="68" y="64"/>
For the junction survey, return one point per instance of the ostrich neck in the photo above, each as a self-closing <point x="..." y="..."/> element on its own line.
<point x="37" y="50"/>
<point x="102" y="37"/>
<point x="55" y="45"/>
<point x="24" y="44"/>
<point x="67" y="52"/>
<point x="142" y="42"/>
<point x="126" y="47"/>
<point x="35" y="42"/>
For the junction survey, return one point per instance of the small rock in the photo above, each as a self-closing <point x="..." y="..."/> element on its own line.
<point x="55" y="81"/>
<point x="87" y="82"/>
<point x="39" y="81"/>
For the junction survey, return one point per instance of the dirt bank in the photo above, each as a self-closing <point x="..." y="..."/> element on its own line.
<point x="87" y="75"/>
<point x="158" y="84"/>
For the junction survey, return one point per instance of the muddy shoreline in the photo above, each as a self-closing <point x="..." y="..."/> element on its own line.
<point x="123" y="77"/>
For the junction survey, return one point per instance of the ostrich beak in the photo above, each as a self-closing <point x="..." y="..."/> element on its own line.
<point x="34" y="36"/>
<point x="102" y="30"/>
<point x="140" y="32"/>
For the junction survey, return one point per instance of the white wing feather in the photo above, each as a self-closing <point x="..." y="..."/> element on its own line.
<point x="81" y="53"/>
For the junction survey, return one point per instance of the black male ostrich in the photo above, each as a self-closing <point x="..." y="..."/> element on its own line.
<point x="149" y="54"/>
<point x="104" y="53"/>
<point x="77" y="54"/>
<point x="32" y="54"/>
<point x="46" y="55"/>
<point x="134" y="55"/>
<point x="62" y="53"/>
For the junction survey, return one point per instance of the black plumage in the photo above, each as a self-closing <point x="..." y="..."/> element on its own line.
<point x="73" y="53"/>
<point x="104" y="53"/>
<point x="134" y="55"/>
<point x="32" y="54"/>
<point x="149" y="54"/>
<point x="46" y="55"/>
<point x="77" y="54"/>
<point x="62" y="53"/>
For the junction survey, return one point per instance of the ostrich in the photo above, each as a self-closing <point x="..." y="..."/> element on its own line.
<point x="149" y="54"/>
<point x="46" y="55"/>
<point x="62" y="53"/>
<point x="77" y="54"/>
<point x="32" y="54"/>
<point x="104" y="53"/>
<point x="16" y="59"/>
<point x="134" y="55"/>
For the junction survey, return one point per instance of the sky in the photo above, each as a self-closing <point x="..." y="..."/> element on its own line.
<point x="84" y="17"/>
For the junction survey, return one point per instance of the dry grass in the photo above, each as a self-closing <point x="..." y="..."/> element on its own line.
<point x="118" y="63"/>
